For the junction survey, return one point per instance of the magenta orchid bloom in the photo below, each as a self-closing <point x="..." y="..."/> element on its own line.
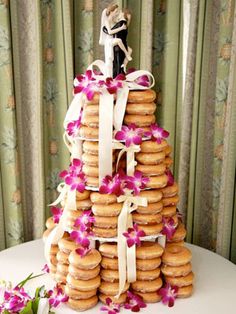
<point x="137" y="182"/>
<point x="169" y="227"/>
<point x="56" y="296"/>
<point x="130" y="134"/>
<point x="75" y="178"/>
<point x="74" y="169"/>
<point x="170" y="176"/>
<point x="45" y="268"/>
<point x="157" y="133"/>
<point x="56" y="212"/>
<point x="83" y="251"/>
<point x="81" y="237"/>
<point x="85" y="220"/>
<point x="133" y="236"/>
<point x="110" y="307"/>
<point x="168" y="294"/>
<point x="15" y="300"/>
<point x="113" y="85"/>
<point x="143" y="80"/>
<point x="73" y="126"/>
<point x="83" y="81"/>
<point x="112" y="185"/>
<point x="134" y="302"/>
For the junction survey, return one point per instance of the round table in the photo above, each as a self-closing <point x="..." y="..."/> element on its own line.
<point x="215" y="280"/>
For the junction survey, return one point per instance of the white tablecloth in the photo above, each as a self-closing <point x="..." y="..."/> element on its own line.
<point x="215" y="280"/>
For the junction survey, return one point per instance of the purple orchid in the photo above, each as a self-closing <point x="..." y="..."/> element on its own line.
<point x="113" y="85"/>
<point x="75" y="178"/>
<point x="168" y="294"/>
<point x="85" y="220"/>
<point x="81" y="236"/>
<point x="169" y="227"/>
<point x="157" y="133"/>
<point x="136" y="182"/>
<point x="110" y="307"/>
<point x="130" y="134"/>
<point x="133" y="236"/>
<point x="56" y="212"/>
<point x="170" y="176"/>
<point x="134" y="302"/>
<point x="45" y="268"/>
<point x="83" y="81"/>
<point x="56" y="296"/>
<point x="83" y="251"/>
<point x="14" y="300"/>
<point x="143" y="80"/>
<point x="113" y="185"/>
<point x="73" y="126"/>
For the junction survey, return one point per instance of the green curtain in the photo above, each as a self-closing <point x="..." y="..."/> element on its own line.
<point x="43" y="44"/>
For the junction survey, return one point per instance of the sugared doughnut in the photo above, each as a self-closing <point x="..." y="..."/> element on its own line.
<point x="170" y="244"/>
<point x="170" y="201"/>
<point x="90" y="121"/>
<point x="152" y="208"/>
<point x="146" y="219"/>
<point x="148" y="274"/>
<point x="83" y="204"/>
<point x="170" y="190"/>
<point x="92" y="181"/>
<point x="147" y="95"/>
<point x="92" y="160"/>
<point x="50" y="223"/>
<point x="91" y="110"/>
<point x="109" y="263"/>
<point x="150" y="159"/>
<point x="151" y="170"/>
<point x="139" y="120"/>
<point x="54" y="249"/>
<point x="179" y="234"/>
<point x="168" y="150"/>
<point x="109" y="275"/>
<point x="104" y="232"/>
<point x="168" y="162"/>
<point x="53" y="259"/>
<point x="83" y="274"/>
<point x="89" y="261"/>
<point x="62" y="268"/>
<point x="83" y="285"/>
<point x="176" y="271"/>
<point x="180" y="281"/>
<point x="109" y="210"/>
<point x="147" y="286"/>
<point x="151" y="229"/>
<point x="105" y="222"/>
<point x="80" y="196"/>
<point x="153" y="196"/>
<point x="90" y="147"/>
<point x="157" y="182"/>
<point x="142" y="264"/>
<point x="120" y="300"/>
<point x="103" y="199"/>
<point x="73" y="214"/>
<point x="60" y="278"/>
<point x="83" y="305"/>
<point x="79" y="295"/>
<point x="176" y="256"/>
<point x="185" y="292"/>
<point x="111" y="288"/>
<point x="87" y="132"/>
<point x="150" y="297"/>
<point x="108" y="250"/>
<point x="168" y="211"/>
<point x="90" y="171"/>
<point x="67" y="245"/>
<point x="52" y="268"/>
<point x="153" y="146"/>
<point x="149" y="250"/>
<point x="62" y="257"/>
<point x="140" y="108"/>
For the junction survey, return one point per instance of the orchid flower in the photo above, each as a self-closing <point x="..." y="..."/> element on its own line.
<point x="143" y="80"/>
<point x="75" y="178"/>
<point x="45" y="268"/>
<point x="85" y="220"/>
<point x="168" y="294"/>
<point x="83" y="251"/>
<point x="82" y="81"/>
<point x="130" y="134"/>
<point x="137" y="182"/>
<point x="73" y="126"/>
<point x="133" y="236"/>
<point x="169" y="227"/>
<point x="157" y="133"/>
<point x="81" y="237"/>
<point x="110" y="307"/>
<point x="56" y="296"/>
<point x="56" y="212"/>
<point x="14" y="300"/>
<point x="113" y="185"/>
<point x="170" y="176"/>
<point x="113" y="85"/>
<point x="134" y="302"/>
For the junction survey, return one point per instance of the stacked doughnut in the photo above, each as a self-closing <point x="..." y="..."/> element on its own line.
<point x="170" y="199"/>
<point x="50" y="225"/>
<point x="106" y="211"/>
<point x="178" y="237"/>
<point x="83" y="280"/>
<point x="177" y="269"/>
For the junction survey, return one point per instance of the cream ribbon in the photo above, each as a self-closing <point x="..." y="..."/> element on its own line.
<point x="74" y="145"/>
<point x="130" y="203"/>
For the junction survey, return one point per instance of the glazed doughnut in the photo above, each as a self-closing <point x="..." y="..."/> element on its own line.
<point x="83" y="204"/>
<point x="153" y="146"/>
<point x="185" y="292"/>
<point x="143" y="96"/>
<point x="103" y="199"/>
<point x="151" y="229"/>
<point x="91" y="110"/>
<point x="182" y="281"/>
<point x="50" y="224"/>
<point x="170" y="244"/>
<point x="80" y="196"/>
<point x="142" y="264"/>
<point x="79" y="295"/>
<point x="168" y="211"/>
<point x="83" y="274"/>
<point x="109" y="210"/>
<point x="170" y="190"/>
<point x="120" y="300"/>
<point x="176" y="271"/>
<point x="73" y="214"/>
<point x="146" y="219"/>
<point x="92" y="160"/>
<point x="168" y="150"/>
<point x="108" y="250"/>
<point x="141" y="108"/>
<point x="109" y="263"/>
<point x="176" y="256"/>
<point x="150" y="158"/>
<point x="62" y="257"/>
<point x="179" y="234"/>
<point x="147" y="286"/>
<point x="60" y="278"/>
<point x="90" y="121"/>
<point x="90" y="171"/>
<point x="157" y="182"/>
<point x="62" y="268"/>
<point x="53" y="259"/>
<point x="105" y="233"/>
<point x="90" y="147"/>
<point x="153" y="196"/>
<point x="87" y="132"/>
<point x="83" y="285"/>
<point x="89" y="261"/>
<point x="152" y="208"/>
<point x="92" y="181"/>
<point x="52" y="268"/>
<point x="151" y="170"/>
<point x="105" y="222"/>
<point x="170" y="201"/>
<point x="54" y="249"/>
<point x="111" y="288"/>
<point x="168" y="162"/>
<point x="150" y="297"/>
<point x="139" y="120"/>
<point x="82" y="305"/>
<point x="149" y="250"/>
<point x="148" y="274"/>
<point x="67" y="245"/>
<point x="109" y="275"/>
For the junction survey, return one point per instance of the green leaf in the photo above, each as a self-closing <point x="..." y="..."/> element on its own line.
<point x="35" y="305"/>
<point x="23" y="282"/>
<point x="27" y="309"/>
<point x="39" y="291"/>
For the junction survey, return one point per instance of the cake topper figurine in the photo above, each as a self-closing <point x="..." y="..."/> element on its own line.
<point x="113" y="36"/>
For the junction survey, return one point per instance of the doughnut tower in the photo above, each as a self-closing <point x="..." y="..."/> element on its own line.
<point x="115" y="227"/>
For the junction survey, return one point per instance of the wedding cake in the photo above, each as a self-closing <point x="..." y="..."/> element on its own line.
<point x="116" y="234"/>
